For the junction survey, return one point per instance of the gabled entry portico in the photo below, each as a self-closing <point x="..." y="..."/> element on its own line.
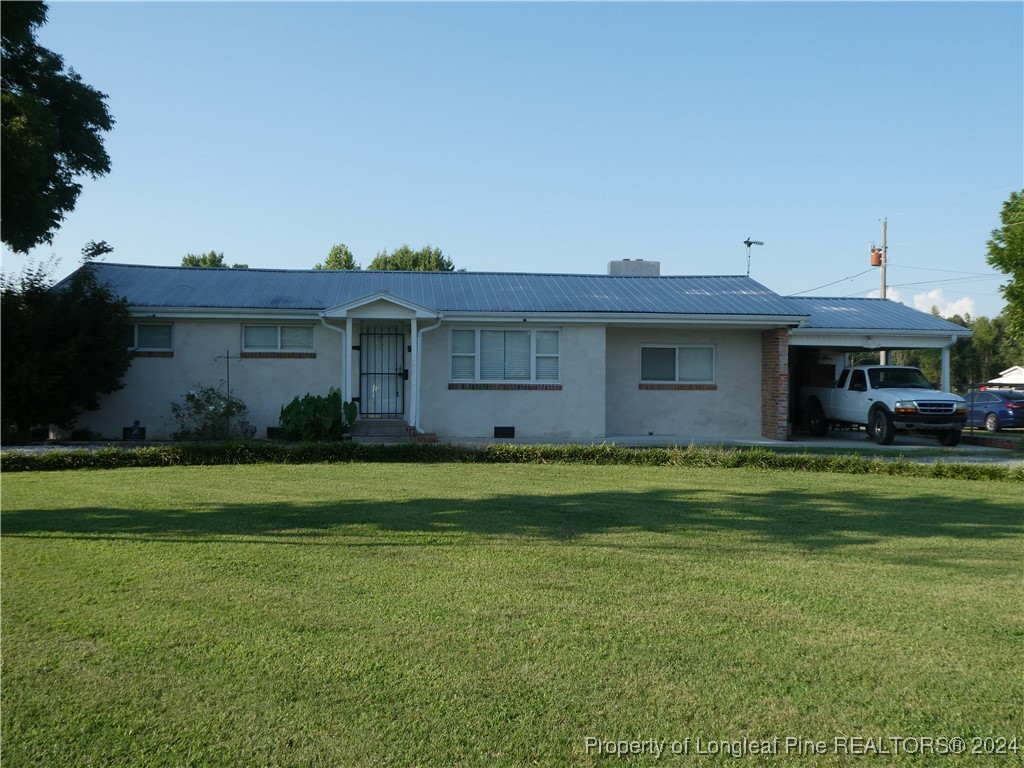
<point x="382" y="335"/>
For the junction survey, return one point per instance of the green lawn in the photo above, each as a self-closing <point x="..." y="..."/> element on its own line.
<point x="497" y="615"/>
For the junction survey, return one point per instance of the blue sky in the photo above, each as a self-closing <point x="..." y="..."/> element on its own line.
<point x="548" y="137"/>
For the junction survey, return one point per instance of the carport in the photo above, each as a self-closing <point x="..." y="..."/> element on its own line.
<point x="836" y="327"/>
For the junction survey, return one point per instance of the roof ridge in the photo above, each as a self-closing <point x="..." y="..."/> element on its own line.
<point x="234" y="270"/>
<point x="839" y="298"/>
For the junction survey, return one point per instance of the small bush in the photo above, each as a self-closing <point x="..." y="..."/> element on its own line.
<point x="317" y="418"/>
<point x="210" y="414"/>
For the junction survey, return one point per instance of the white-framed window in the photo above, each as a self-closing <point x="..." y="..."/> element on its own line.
<point x="149" y="337"/>
<point x="686" y="364"/>
<point x="277" y="338"/>
<point x="499" y="354"/>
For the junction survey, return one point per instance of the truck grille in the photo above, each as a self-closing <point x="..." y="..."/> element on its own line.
<point x="937" y="407"/>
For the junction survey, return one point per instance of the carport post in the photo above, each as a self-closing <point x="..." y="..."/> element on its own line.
<point x="945" y="364"/>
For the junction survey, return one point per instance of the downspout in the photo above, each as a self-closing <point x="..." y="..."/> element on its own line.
<point x="346" y="354"/>
<point x="414" y="420"/>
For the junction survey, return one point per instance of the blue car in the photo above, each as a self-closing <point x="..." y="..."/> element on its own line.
<point x="995" y="409"/>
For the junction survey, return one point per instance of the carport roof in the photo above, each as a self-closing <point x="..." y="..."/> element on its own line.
<point x="857" y="314"/>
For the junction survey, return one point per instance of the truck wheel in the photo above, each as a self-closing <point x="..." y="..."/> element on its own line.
<point x="817" y="424"/>
<point x="992" y="423"/>
<point x="949" y="437"/>
<point x="882" y="429"/>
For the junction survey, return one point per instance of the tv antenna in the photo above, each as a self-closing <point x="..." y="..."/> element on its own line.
<point x="748" y="242"/>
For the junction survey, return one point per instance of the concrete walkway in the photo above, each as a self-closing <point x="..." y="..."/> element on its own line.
<point x="910" y="447"/>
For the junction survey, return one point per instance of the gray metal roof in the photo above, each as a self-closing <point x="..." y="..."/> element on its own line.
<point x="485" y="292"/>
<point x="868" y="314"/>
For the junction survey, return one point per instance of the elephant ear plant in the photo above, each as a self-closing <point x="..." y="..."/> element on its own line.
<point x="350" y="411"/>
<point x="317" y="418"/>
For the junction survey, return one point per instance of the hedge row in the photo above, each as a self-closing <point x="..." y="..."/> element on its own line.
<point x="259" y="452"/>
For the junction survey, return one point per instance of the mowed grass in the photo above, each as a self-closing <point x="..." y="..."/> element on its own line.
<point x="497" y="615"/>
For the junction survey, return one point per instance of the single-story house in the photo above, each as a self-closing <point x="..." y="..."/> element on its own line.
<point x="469" y="355"/>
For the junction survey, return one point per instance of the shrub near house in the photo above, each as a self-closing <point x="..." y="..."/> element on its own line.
<point x="210" y="414"/>
<point x="317" y="418"/>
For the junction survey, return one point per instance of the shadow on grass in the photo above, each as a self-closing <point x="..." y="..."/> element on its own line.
<point x="801" y="518"/>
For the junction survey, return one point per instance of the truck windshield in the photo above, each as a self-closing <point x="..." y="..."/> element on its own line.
<point x="888" y="378"/>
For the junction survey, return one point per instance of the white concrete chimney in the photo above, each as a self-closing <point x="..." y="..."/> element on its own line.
<point x="634" y="268"/>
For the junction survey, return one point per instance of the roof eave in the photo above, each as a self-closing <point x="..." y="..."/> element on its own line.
<point x="630" y="318"/>
<point x="937" y="333"/>
<point x="223" y="313"/>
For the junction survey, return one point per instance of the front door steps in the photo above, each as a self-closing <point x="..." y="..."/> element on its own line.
<point x="388" y="431"/>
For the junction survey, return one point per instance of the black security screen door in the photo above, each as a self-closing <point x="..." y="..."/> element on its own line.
<point x="381" y="372"/>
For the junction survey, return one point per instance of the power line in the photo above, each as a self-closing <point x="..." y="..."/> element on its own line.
<point x="950" y="280"/>
<point x="936" y="269"/>
<point x="930" y="282"/>
<point x="826" y="285"/>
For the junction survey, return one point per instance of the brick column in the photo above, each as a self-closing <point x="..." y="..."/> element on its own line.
<point x="775" y="384"/>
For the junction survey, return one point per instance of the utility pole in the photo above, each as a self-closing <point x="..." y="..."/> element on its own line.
<point x="883" y="355"/>
<point x="884" y="256"/>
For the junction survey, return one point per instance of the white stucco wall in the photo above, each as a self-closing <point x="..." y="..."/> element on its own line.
<point x="574" y="412"/>
<point x="599" y="373"/>
<point x="153" y="383"/>
<point x="732" y="410"/>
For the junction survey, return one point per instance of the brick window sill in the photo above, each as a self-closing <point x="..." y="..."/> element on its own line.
<point x="506" y="387"/>
<point x="278" y="355"/>
<point x="680" y="387"/>
<point x="151" y="353"/>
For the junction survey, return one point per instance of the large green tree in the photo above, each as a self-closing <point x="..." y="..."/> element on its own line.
<point x="1006" y="253"/>
<point x="63" y="345"/>
<point x="339" y="257"/>
<point x="51" y="126"/>
<point x="404" y="258"/>
<point x="211" y="259"/>
<point x="972" y="361"/>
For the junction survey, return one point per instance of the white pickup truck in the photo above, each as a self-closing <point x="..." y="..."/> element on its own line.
<point x="884" y="399"/>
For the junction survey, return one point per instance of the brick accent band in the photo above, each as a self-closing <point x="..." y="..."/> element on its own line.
<point x="151" y="353"/>
<point x="680" y="387"/>
<point x="278" y="355"/>
<point x="507" y="387"/>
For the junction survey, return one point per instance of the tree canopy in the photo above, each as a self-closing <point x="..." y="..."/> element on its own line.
<point x="1006" y="253"/>
<point x="51" y="126"/>
<point x="339" y="257"/>
<point x="404" y="258"/>
<point x="972" y="361"/>
<point x="63" y="346"/>
<point x="211" y="259"/>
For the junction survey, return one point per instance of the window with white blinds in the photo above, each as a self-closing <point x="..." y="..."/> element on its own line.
<point x="149" y="336"/>
<point x="686" y="365"/>
<point x="504" y="355"/>
<point x="277" y="338"/>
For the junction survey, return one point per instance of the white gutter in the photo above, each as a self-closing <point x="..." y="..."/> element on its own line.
<point x="215" y="313"/>
<point x="627" y="318"/>
<point x="923" y="332"/>
<point x="344" y="358"/>
<point x="562" y="318"/>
